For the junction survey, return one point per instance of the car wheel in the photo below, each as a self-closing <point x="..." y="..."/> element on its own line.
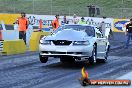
<point x="67" y="59"/>
<point x="92" y="59"/>
<point x="43" y="59"/>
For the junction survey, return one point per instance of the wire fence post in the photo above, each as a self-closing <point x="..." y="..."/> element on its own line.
<point x="33" y="6"/>
<point x="51" y="7"/>
<point x="14" y="7"/>
<point x="87" y="11"/>
<point x="69" y="11"/>
<point x="122" y="9"/>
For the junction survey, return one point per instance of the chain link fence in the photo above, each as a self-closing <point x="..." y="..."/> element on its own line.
<point x="47" y="7"/>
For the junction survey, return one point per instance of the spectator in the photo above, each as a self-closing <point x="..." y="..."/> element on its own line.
<point x="124" y="26"/>
<point x="82" y="21"/>
<point x="55" y="23"/>
<point x="65" y="20"/>
<point x="75" y="19"/>
<point x="22" y="26"/>
<point x="128" y="33"/>
<point x="102" y="26"/>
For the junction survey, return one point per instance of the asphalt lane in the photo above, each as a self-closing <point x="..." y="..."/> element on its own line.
<point x="26" y="71"/>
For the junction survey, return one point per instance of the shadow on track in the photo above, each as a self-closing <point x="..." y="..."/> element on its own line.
<point x="73" y="66"/>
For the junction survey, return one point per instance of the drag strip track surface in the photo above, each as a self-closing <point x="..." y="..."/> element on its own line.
<point x="26" y="71"/>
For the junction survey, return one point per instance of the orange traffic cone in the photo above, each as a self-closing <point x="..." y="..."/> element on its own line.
<point x="0" y="35"/>
<point x="40" y="24"/>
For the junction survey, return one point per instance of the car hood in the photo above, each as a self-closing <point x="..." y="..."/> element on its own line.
<point x="68" y="34"/>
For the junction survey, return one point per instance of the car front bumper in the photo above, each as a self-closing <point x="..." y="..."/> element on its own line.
<point x="61" y="54"/>
<point x="75" y="51"/>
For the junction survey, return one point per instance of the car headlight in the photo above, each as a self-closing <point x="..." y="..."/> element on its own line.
<point x="45" y="42"/>
<point x="81" y="43"/>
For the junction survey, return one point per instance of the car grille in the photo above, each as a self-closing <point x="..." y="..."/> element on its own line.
<point x="52" y="52"/>
<point x="62" y="42"/>
<point x="62" y="52"/>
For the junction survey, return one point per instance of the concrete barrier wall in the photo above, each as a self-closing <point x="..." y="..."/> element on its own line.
<point x="34" y="40"/>
<point x="11" y="47"/>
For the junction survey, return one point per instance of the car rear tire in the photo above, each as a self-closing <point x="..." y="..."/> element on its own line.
<point x="67" y="59"/>
<point x="92" y="59"/>
<point x="43" y="59"/>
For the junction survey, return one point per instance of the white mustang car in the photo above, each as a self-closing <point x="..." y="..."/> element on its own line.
<point x="74" y="42"/>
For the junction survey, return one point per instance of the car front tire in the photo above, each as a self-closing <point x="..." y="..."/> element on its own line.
<point x="92" y="59"/>
<point x="43" y="59"/>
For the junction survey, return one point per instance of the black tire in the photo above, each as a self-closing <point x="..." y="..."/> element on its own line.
<point x="92" y="59"/>
<point x="67" y="59"/>
<point x="43" y="59"/>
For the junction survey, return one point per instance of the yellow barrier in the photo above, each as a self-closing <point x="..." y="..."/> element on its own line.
<point x="9" y="19"/>
<point x="34" y="40"/>
<point x="13" y="47"/>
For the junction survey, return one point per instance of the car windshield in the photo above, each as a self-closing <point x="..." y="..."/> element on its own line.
<point x="88" y="29"/>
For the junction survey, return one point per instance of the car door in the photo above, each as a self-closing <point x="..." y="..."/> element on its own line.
<point x="101" y="44"/>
